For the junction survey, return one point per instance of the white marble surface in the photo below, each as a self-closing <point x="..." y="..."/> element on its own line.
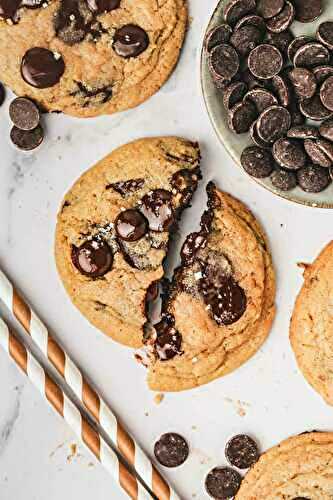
<point x="267" y="397"/>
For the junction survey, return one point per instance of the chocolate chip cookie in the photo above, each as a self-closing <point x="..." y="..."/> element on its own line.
<point x="312" y="322"/>
<point x="299" y="468"/>
<point x="220" y="306"/>
<point x="89" y="57"/>
<point x="113" y="231"/>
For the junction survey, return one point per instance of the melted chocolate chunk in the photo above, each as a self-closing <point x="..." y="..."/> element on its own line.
<point x="157" y="208"/>
<point x="169" y="340"/>
<point x="9" y="8"/>
<point x="130" y="41"/>
<point x="102" y="6"/>
<point x="193" y="243"/>
<point x="102" y="94"/>
<point x="126" y="187"/>
<point x="131" y="225"/>
<point x="152" y="292"/>
<point x="42" y="68"/>
<point x="171" y="450"/>
<point x="94" y="258"/>
<point x="242" y="451"/>
<point x="185" y="182"/>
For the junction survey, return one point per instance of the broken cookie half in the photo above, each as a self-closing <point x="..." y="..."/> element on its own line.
<point x="113" y="231"/>
<point x="220" y="306"/>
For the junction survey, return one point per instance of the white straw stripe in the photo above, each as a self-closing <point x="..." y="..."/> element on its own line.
<point x="36" y="373"/>
<point x="73" y="377"/>
<point x="4" y="336"/>
<point x="108" y="421"/>
<point x="109" y="460"/>
<point x="6" y="291"/>
<point x="143" y="466"/>
<point x="72" y="416"/>
<point x="39" y="333"/>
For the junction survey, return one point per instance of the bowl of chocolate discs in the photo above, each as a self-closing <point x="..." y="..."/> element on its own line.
<point x="267" y="81"/>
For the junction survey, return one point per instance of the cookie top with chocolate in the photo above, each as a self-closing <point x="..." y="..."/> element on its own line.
<point x="113" y="231"/>
<point x="220" y="305"/>
<point x="89" y="57"/>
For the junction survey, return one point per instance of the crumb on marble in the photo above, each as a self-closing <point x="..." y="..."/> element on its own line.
<point x="158" y="398"/>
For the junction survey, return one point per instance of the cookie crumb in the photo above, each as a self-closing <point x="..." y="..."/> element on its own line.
<point x="73" y="452"/>
<point x="158" y="399"/>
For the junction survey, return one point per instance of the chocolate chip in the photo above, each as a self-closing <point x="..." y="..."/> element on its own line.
<point x="245" y="39"/>
<point x="252" y="20"/>
<point x="289" y="154"/>
<point x="281" y="40"/>
<point x="242" y="451"/>
<point x="269" y="8"/>
<point x="222" y="483"/>
<point x="219" y="82"/>
<point x="2" y="94"/>
<point x="297" y="118"/>
<point x="171" y="450"/>
<point x="257" y="162"/>
<point x="236" y="9"/>
<point x="193" y="243"/>
<point x="284" y="179"/>
<point x="102" y="6"/>
<point x="127" y="187"/>
<point x="326" y="93"/>
<point x="131" y="225"/>
<point x="326" y="147"/>
<point x="304" y="82"/>
<point x="224" y="61"/>
<point x="265" y="61"/>
<point x="256" y="139"/>
<point x="157" y="208"/>
<point x="24" y="113"/>
<point x="9" y="8"/>
<point x="313" y="179"/>
<point x="296" y="44"/>
<point x="261" y="98"/>
<point x="311" y="54"/>
<point x="283" y="20"/>
<point x="303" y="132"/>
<point x="241" y="117"/>
<point x="326" y="130"/>
<point x="233" y="94"/>
<point x="325" y="34"/>
<point x="130" y="41"/>
<point x="251" y="81"/>
<point x="274" y="123"/>
<point x="42" y="68"/>
<point x="322" y="72"/>
<point x="314" y="109"/>
<point x="307" y="10"/>
<point x="282" y="90"/>
<point x="219" y="35"/>
<point x="169" y="340"/>
<point x="317" y="155"/>
<point x="94" y="258"/>
<point x="27" y="140"/>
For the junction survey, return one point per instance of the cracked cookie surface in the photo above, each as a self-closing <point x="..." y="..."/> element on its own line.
<point x="300" y="467"/>
<point x="106" y="59"/>
<point x="312" y="324"/>
<point x="113" y="230"/>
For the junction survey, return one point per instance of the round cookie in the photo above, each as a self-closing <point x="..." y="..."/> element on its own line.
<point x="220" y="306"/>
<point x="298" y="468"/>
<point x="84" y="60"/>
<point x="311" y="323"/>
<point x="113" y="230"/>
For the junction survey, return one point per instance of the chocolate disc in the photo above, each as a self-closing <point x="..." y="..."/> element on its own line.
<point x="280" y="40"/>
<point x="222" y="483"/>
<point x="252" y="20"/>
<point x="224" y="61"/>
<point x="217" y="36"/>
<point x="274" y="123"/>
<point x="171" y="450"/>
<point x="282" y="21"/>
<point x="94" y="258"/>
<point x="251" y="81"/>
<point x="313" y="179"/>
<point x="242" y="451"/>
<point x="42" y="68"/>
<point x="233" y="94"/>
<point x="241" y="117"/>
<point x="131" y="225"/>
<point x="312" y="54"/>
<point x="269" y="8"/>
<point x="169" y="340"/>
<point x="321" y="73"/>
<point x="130" y="41"/>
<point x="261" y="98"/>
<point x="246" y="39"/>
<point x="307" y="10"/>
<point x="289" y="154"/>
<point x="326" y="147"/>
<point x="325" y="34"/>
<point x="297" y="118"/>
<point x="157" y="208"/>
<point x="265" y="61"/>
<point x="257" y="162"/>
<point x="314" y="109"/>
<point x="27" y="140"/>
<point x="2" y="94"/>
<point x="220" y="83"/>
<point x="102" y="6"/>
<point x="236" y="9"/>
<point x="303" y="132"/>
<point x="326" y="130"/>
<point x="24" y="113"/>
<point x="282" y="90"/>
<point x="326" y="93"/>
<point x="317" y="155"/>
<point x="304" y="82"/>
<point x="256" y="139"/>
<point x="284" y="179"/>
<point x="296" y="44"/>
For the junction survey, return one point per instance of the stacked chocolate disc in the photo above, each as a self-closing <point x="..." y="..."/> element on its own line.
<point x="27" y="133"/>
<point x="277" y="88"/>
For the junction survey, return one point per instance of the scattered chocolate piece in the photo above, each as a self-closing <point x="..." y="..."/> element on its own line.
<point x="281" y="88"/>
<point x="326" y="93"/>
<point x="313" y="179"/>
<point x="265" y="61"/>
<point x="2" y="94"/>
<point x="326" y="130"/>
<point x="157" y="208"/>
<point x="236" y="9"/>
<point x="169" y="340"/>
<point x="233" y="94"/>
<point x="311" y="54"/>
<point x="317" y="155"/>
<point x="289" y="154"/>
<point x="303" y="132"/>
<point x="283" y="20"/>
<point x="308" y="10"/>
<point x="257" y="162"/>
<point x="296" y="44"/>
<point x="269" y="8"/>
<point x="280" y="40"/>
<point x="252" y="20"/>
<point x="325" y="34"/>
<point x="273" y="123"/>
<point x="242" y="451"/>
<point x="130" y="41"/>
<point x="224" y="61"/>
<point x="217" y="36"/>
<point x="314" y="109"/>
<point x="284" y="179"/>
<point x="27" y="140"/>
<point x="256" y="139"/>
<point x="304" y="82"/>
<point x="246" y="39"/>
<point x="261" y="98"/>
<point x="222" y="483"/>
<point x="326" y="147"/>
<point x="241" y="117"/>
<point x="93" y="259"/>
<point x="171" y="450"/>
<point x="322" y="72"/>
<point x="42" y="68"/>
<point x="24" y="113"/>
<point x="131" y="225"/>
